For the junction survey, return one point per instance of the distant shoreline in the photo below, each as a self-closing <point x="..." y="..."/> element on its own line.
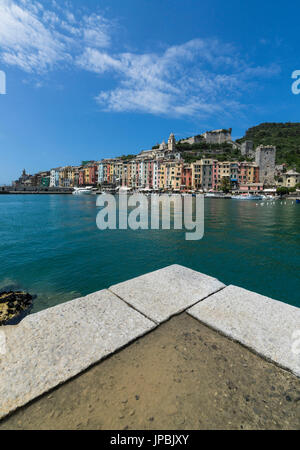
<point x="6" y="190"/>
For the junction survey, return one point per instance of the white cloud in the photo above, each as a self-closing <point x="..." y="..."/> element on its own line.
<point x="24" y="39"/>
<point x="197" y="78"/>
<point x="36" y="39"/>
<point x="96" y="31"/>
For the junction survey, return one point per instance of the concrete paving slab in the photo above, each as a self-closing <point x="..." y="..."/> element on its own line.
<point x="51" y="346"/>
<point x="269" y="327"/>
<point x="168" y="291"/>
<point x="181" y="376"/>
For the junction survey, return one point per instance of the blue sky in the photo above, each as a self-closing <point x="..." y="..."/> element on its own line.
<point x="88" y="79"/>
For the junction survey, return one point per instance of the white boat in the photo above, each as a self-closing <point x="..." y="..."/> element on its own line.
<point x="269" y="197"/>
<point x="247" y="197"/>
<point x="83" y="190"/>
<point x="210" y="194"/>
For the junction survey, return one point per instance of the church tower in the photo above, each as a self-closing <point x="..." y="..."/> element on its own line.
<point x="171" y="143"/>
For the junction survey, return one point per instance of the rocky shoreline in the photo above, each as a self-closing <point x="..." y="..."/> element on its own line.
<point x="14" y="306"/>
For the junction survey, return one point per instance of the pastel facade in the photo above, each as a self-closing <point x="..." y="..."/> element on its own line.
<point x="251" y="188"/>
<point x="290" y="179"/>
<point x="54" y="178"/>
<point x="186" y="178"/>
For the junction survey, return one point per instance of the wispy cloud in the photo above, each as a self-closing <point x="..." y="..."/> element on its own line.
<point x="35" y="39"/>
<point x="201" y="77"/>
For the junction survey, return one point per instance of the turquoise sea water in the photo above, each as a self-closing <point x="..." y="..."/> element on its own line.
<point x="51" y="247"/>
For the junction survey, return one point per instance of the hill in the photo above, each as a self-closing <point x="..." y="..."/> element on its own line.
<point x="223" y="152"/>
<point x="285" y="136"/>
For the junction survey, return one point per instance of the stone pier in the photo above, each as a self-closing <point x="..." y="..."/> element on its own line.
<point x="53" y="346"/>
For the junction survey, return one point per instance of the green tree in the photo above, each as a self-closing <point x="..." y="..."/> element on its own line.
<point x="225" y="184"/>
<point x="282" y="190"/>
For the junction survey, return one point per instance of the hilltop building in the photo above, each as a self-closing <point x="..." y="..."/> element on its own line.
<point x="217" y="136"/>
<point x="171" y="143"/>
<point x="161" y="151"/>
<point x="210" y="137"/>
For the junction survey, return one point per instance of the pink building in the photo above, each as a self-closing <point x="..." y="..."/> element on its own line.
<point x="187" y="178"/>
<point x="93" y="174"/>
<point x="251" y="188"/>
<point x="81" y="178"/>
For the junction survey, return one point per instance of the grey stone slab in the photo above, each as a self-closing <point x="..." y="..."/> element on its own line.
<point x="166" y="292"/>
<point x="49" y="347"/>
<point x="269" y="327"/>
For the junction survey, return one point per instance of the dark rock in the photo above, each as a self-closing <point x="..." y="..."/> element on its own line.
<point x="14" y="306"/>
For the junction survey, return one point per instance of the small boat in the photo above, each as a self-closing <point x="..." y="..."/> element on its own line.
<point x="297" y="200"/>
<point x="216" y="195"/>
<point x="83" y="190"/>
<point x="247" y="197"/>
<point x="210" y="195"/>
<point x="268" y="197"/>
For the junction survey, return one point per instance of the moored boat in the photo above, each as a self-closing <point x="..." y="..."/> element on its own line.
<point x="247" y="197"/>
<point x="83" y="190"/>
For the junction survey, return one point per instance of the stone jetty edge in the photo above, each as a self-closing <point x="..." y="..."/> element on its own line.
<point x="54" y="345"/>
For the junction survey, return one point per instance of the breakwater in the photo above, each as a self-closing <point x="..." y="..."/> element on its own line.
<point x="34" y="190"/>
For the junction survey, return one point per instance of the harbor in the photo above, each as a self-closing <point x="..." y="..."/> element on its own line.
<point x="72" y="257"/>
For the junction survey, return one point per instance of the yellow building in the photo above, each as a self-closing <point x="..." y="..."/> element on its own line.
<point x="223" y="169"/>
<point x="196" y="174"/>
<point x="173" y="175"/>
<point x="290" y="179"/>
<point x="162" y="175"/>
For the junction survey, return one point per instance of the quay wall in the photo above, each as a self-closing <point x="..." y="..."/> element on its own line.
<point x="34" y="190"/>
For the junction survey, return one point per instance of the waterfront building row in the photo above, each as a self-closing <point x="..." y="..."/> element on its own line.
<point x="162" y="174"/>
<point x="205" y="174"/>
<point x="162" y="168"/>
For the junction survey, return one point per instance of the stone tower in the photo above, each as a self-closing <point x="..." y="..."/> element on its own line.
<point x="247" y="149"/>
<point x="265" y="159"/>
<point x="171" y="143"/>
